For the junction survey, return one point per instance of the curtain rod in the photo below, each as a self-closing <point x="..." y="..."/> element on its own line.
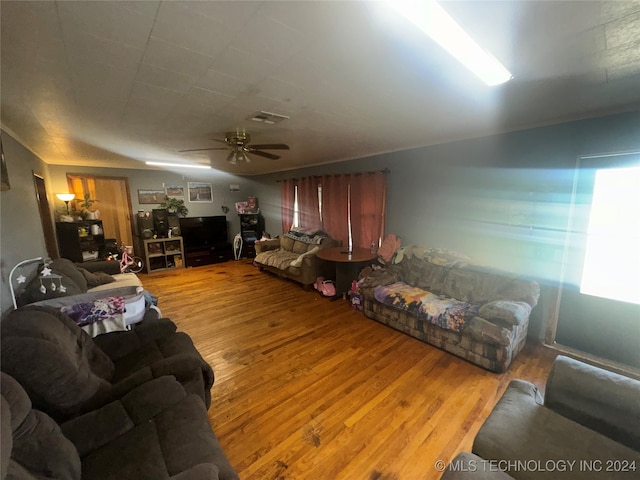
<point x="384" y="171"/>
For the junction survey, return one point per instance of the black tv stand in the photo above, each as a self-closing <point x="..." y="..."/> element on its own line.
<point x="206" y="240"/>
<point x="208" y="254"/>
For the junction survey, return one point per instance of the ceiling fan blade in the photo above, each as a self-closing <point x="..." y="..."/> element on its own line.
<point x="202" y="149"/>
<point x="268" y="155"/>
<point x="218" y="140"/>
<point x="271" y="146"/>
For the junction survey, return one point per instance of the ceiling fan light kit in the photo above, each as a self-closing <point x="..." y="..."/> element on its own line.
<point x="238" y="143"/>
<point x="238" y="155"/>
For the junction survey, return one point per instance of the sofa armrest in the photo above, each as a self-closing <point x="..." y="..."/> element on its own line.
<point x="265" y="245"/>
<point x="184" y="367"/>
<point x="111" y="267"/>
<point x="505" y="312"/>
<point x="470" y="466"/>
<point x="596" y="398"/>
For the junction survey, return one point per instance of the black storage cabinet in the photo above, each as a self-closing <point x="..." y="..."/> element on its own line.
<point x="79" y="242"/>
<point x="251" y="228"/>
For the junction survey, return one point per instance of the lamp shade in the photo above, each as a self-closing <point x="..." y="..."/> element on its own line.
<point x="66" y="197"/>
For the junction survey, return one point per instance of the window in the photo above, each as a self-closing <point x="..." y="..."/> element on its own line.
<point x="350" y="208"/>
<point x="611" y="266"/>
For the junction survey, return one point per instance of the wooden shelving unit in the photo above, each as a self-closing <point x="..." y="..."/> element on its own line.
<point x="163" y="253"/>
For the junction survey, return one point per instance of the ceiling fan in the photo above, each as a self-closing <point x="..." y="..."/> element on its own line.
<point x="238" y="143"/>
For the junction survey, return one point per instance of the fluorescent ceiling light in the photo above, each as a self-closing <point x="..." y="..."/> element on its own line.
<point x="179" y="165"/>
<point x="435" y="22"/>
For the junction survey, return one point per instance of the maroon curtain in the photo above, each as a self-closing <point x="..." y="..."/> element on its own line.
<point x="335" y="207"/>
<point x="368" y="204"/>
<point x="287" y="193"/>
<point x="308" y="205"/>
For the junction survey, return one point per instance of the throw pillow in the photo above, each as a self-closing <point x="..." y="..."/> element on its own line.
<point x="286" y="243"/>
<point x="299" y="247"/>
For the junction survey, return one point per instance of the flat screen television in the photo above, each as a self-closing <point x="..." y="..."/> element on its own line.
<point x="204" y="231"/>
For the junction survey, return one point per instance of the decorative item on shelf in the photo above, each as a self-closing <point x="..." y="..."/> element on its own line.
<point x="86" y="207"/>
<point x="175" y="205"/>
<point x="252" y="205"/>
<point x="241" y="207"/>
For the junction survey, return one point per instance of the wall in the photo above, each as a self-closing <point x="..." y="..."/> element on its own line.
<point x="504" y="200"/>
<point x="21" y="234"/>
<point x="157" y="179"/>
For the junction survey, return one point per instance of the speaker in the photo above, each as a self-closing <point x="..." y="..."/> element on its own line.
<point x="174" y="224"/>
<point x="145" y="227"/>
<point x="160" y="224"/>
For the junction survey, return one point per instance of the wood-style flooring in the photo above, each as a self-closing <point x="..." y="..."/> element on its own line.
<point x="309" y="389"/>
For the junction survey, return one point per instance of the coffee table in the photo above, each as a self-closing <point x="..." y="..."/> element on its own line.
<point x="348" y="264"/>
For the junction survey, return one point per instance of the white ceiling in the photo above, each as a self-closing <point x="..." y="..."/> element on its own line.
<point x="119" y="83"/>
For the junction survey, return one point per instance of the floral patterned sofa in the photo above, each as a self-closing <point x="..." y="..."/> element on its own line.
<point x="293" y="255"/>
<point x="474" y="312"/>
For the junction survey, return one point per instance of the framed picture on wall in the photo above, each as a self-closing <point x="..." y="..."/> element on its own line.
<point x="175" y="191"/>
<point x="151" y="196"/>
<point x="200" y="192"/>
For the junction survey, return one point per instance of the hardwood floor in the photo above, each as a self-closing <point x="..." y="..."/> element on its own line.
<point x="310" y="389"/>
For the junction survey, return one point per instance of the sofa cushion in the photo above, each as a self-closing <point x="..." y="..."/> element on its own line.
<point x="286" y="243"/>
<point x="511" y="313"/>
<point x="176" y="440"/>
<point x="447" y="313"/>
<point x="280" y="259"/>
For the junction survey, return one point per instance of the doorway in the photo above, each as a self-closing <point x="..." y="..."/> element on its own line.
<point x="45" y="216"/>
<point x="598" y="310"/>
<point x="112" y="201"/>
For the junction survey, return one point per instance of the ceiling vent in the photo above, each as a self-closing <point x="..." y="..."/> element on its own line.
<point x="268" y="118"/>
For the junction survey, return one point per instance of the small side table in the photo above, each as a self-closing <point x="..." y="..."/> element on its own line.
<point x="347" y="264"/>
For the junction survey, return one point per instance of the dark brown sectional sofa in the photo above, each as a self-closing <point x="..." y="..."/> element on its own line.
<point x="123" y="405"/>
